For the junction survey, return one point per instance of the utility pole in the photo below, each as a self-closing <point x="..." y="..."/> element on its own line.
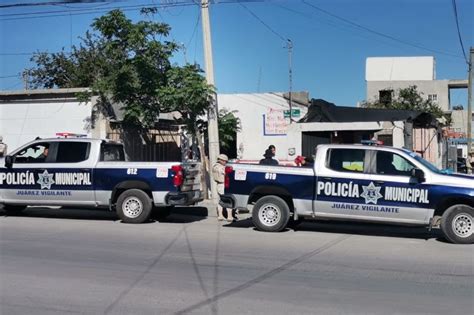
<point x="290" y="77"/>
<point x="25" y="77"/>
<point x="213" y="130"/>
<point x="469" y="108"/>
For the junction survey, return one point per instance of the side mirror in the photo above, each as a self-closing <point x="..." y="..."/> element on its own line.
<point x="8" y="161"/>
<point x="418" y="175"/>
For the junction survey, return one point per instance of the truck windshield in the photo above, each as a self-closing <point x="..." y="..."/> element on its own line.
<point x="425" y="163"/>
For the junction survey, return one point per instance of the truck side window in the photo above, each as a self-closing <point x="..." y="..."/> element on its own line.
<point x="35" y="153"/>
<point x="389" y="163"/>
<point x="72" y="152"/>
<point x="111" y="152"/>
<point x="347" y="160"/>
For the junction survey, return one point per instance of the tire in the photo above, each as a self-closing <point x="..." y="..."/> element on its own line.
<point x="13" y="209"/>
<point x="457" y="224"/>
<point x="162" y="213"/>
<point x="271" y="214"/>
<point x="134" y="206"/>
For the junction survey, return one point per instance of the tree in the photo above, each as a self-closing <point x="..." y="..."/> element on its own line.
<point x="129" y="64"/>
<point x="229" y="125"/>
<point x="410" y="99"/>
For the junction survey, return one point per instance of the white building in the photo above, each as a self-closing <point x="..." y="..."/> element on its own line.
<point x="264" y="120"/>
<point x="27" y="114"/>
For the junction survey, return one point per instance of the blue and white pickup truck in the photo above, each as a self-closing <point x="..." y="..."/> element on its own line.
<point x="355" y="182"/>
<point x="84" y="172"/>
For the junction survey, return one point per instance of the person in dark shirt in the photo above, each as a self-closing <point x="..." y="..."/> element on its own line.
<point x="308" y="162"/>
<point x="268" y="158"/>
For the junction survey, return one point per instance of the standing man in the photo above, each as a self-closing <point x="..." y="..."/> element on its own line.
<point x="218" y="174"/>
<point x="3" y="147"/>
<point x="470" y="162"/>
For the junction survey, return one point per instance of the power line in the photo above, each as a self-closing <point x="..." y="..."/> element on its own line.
<point x="62" y="13"/>
<point x="455" y="9"/>
<point x="34" y="4"/>
<point x="195" y="28"/>
<point x="379" y="33"/>
<point x="16" y="54"/>
<point x="10" y="76"/>
<point x="263" y="23"/>
<point x="92" y="10"/>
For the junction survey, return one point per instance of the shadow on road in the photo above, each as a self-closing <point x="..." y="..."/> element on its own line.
<point x="178" y="215"/>
<point x="356" y="228"/>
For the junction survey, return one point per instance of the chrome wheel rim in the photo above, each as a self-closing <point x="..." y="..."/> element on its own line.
<point x="132" y="207"/>
<point x="269" y="214"/>
<point x="463" y="225"/>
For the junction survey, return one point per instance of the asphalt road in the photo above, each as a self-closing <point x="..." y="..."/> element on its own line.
<point x="88" y="262"/>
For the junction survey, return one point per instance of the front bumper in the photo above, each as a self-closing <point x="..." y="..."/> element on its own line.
<point x="187" y="198"/>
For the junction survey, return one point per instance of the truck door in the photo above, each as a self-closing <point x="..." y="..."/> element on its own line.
<point x="49" y="173"/>
<point x="403" y="197"/>
<point x="20" y="182"/>
<point x="73" y="173"/>
<point x="340" y="183"/>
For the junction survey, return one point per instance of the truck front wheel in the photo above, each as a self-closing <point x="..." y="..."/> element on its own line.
<point x="457" y="224"/>
<point x="134" y="206"/>
<point x="270" y="214"/>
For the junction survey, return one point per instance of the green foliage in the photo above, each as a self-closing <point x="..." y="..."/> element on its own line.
<point x="229" y="124"/>
<point x="129" y="64"/>
<point x="188" y="93"/>
<point x="410" y="99"/>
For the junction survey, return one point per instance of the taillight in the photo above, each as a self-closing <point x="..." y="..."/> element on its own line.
<point x="228" y="170"/>
<point x="178" y="176"/>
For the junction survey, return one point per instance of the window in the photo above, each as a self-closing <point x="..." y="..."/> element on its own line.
<point x="433" y="97"/>
<point x="347" y="160"/>
<point x="385" y="96"/>
<point x="112" y="152"/>
<point x="389" y="163"/>
<point x="35" y="153"/>
<point x="72" y="152"/>
<point x="386" y="139"/>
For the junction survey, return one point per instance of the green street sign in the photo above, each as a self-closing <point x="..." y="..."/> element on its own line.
<point x="295" y="113"/>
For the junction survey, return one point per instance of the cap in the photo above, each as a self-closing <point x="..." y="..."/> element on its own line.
<point x="223" y="157"/>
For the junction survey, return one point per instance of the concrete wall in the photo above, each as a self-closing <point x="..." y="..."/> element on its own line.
<point x="21" y="122"/>
<point x="258" y="131"/>
<point x="400" y="68"/>
<point x="396" y="129"/>
<point x="438" y="87"/>
<point x="459" y="118"/>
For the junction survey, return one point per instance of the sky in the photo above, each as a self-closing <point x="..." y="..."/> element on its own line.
<point x="331" y="39"/>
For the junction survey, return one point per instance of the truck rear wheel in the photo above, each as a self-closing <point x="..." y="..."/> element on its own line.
<point x="270" y="214"/>
<point x="134" y="206"/>
<point x="457" y="224"/>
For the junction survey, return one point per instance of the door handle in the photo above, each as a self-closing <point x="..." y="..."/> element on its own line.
<point x="380" y="182"/>
<point x="327" y="178"/>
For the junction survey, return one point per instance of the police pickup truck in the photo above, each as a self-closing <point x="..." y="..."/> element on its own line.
<point x="355" y="182"/>
<point x="94" y="173"/>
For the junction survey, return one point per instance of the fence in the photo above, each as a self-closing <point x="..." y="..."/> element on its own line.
<point x="161" y="144"/>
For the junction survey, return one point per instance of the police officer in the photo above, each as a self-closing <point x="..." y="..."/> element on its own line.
<point x="470" y="162"/>
<point x="3" y="147"/>
<point x="218" y="174"/>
